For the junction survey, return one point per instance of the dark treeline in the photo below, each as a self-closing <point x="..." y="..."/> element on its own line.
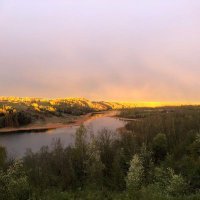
<point x="15" y="119"/>
<point x="156" y="157"/>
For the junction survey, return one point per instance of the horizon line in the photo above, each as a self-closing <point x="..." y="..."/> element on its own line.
<point x="132" y="103"/>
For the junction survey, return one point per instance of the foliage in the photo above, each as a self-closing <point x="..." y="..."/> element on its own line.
<point x="169" y="182"/>
<point x="14" y="183"/>
<point x="159" y="147"/>
<point x="135" y="174"/>
<point x="155" y="157"/>
<point x="3" y="156"/>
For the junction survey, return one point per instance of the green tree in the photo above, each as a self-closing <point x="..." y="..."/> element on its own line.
<point x="14" y="183"/>
<point x="80" y="156"/>
<point x="147" y="163"/>
<point x="94" y="166"/>
<point x="119" y="171"/>
<point x="107" y="150"/>
<point x="169" y="182"/>
<point x="160" y="147"/>
<point x="135" y="174"/>
<point x="195" y="146"/>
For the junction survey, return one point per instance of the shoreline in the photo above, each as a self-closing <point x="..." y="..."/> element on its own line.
<point x="50" y="126"/>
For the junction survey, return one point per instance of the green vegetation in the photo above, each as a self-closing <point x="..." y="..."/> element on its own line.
<point x="157" y="157"/>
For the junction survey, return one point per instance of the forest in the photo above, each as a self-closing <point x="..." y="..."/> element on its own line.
<point x="156" y="156"/>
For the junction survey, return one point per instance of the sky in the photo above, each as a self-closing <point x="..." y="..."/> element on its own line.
<point x="124" y="50"/>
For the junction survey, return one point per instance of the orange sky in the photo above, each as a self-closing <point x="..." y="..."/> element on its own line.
<point x="105" y="50"/>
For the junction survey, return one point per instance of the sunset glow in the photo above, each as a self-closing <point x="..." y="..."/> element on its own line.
<point x="133" y="51"/>
<point x="99" y="99"/>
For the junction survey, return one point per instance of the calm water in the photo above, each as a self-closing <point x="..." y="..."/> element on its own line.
<point x="17" y="143"/>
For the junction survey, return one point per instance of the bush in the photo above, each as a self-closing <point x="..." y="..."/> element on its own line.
<point x="14" y="183"/>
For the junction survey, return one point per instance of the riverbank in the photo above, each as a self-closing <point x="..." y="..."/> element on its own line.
<point x="56" y="122"/>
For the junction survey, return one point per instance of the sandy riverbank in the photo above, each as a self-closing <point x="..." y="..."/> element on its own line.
<point x="55" y="123"/>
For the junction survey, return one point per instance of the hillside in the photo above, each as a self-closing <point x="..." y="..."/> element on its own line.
<point x="17" y="111"/>
<point x="68" y="105"/>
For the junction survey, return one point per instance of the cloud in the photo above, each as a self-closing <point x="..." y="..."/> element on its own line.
<point x="122" y="50"/>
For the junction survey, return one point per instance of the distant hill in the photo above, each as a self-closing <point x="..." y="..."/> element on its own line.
<point x="74" y="106"/>
<point x="17" y="111"/>
<point x="68" y="105"/>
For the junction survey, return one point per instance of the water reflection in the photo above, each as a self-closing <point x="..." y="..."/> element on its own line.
<point x="17" y="143"/>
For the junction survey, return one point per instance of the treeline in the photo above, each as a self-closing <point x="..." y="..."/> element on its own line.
<point x="155" y="158"/>
<point x="15" y="119"/>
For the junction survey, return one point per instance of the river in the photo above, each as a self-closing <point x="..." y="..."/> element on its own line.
<point x="17" y="143"/>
